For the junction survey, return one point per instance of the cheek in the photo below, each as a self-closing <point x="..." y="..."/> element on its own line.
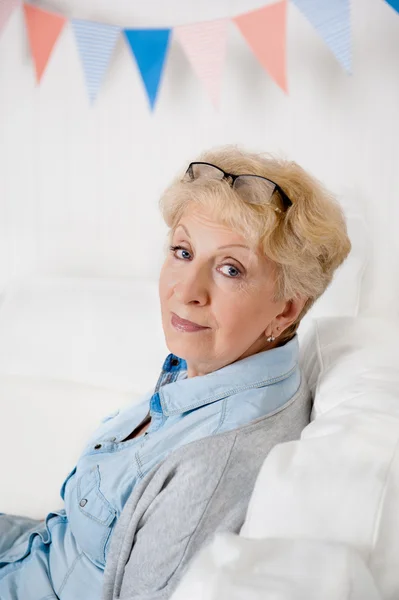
<point x="167" y="280"/>
<point x="231" y="311"/>
<point x="244" y="314"/>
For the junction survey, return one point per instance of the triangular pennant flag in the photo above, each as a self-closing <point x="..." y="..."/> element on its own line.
<point x="6" y="8"/>
<point x="265" y="31"/>
<point x="149" y="47"/>
<point x="394" y="4"/>
<point x="43" y="31"/>
<point x="205" y="47"/>
<point x="96" y="42"/>
<point x="332" y="21"/>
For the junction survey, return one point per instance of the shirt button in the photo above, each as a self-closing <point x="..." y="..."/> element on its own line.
<point x="97" y="447"/>
<point x="113" y="439"/>
<point x="83" y="502"/>
<point x="174" y="362"/>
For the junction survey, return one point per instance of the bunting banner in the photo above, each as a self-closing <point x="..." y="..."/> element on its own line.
<point x="265" y="29"/>
<point x="96" y="43"/>
<point x="204" y="44"/>
<point x="149" y="47"/>
<point x="6" y="8"/>
<point x="44" y="29"/>
<point x="205" y="47"/>
<point x="331" y="19"/>
<point x="393" y="3"/>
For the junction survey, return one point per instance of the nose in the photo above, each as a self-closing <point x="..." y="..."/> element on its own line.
<point x="193" y="286"/>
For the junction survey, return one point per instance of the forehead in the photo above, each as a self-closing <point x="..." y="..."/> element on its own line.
<point x="200" y="222"/>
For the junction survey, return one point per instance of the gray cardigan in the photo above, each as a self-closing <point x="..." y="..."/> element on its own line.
<point x="202" y="488"/>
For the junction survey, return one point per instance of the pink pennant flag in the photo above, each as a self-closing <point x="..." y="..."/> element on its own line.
<point x="43" y="31"/>
<point x="265" y="31"/>
<point x="205" y="47"/>
<point x="6" y="8"/>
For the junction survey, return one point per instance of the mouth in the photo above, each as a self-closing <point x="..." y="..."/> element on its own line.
<point x="184" y="325"/>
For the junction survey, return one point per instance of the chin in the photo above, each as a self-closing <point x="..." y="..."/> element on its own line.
<point x="177" y="347"/>
<point x="181" y="345"/>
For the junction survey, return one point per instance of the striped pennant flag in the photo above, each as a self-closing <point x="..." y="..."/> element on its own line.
<point x="205" y="47"/>
<point x="149" y="48"/>
<point x="96" y="43"/>
<point x="6" y="8"/>
<point x="44" y="29"/>
<point x="331" y="18"/>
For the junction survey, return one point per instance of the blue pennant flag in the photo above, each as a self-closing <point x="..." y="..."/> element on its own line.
<point x="331" y="18"/>
<point x="96" y="43"/>
<point x="394" y="4"/>
<point x="149" y="47"/>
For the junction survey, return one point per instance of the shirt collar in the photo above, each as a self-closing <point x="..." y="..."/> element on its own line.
<point x="179" y="394"/>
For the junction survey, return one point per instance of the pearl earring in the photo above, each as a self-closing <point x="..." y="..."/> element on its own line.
<point x="271" y="338"/>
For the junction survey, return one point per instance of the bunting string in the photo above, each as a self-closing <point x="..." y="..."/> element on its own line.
<point x="204" y="43"/>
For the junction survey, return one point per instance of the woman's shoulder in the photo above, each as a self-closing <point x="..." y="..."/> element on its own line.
<point x="253" y="439"/>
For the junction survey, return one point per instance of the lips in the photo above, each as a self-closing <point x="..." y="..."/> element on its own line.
<point x="184" y="325"/>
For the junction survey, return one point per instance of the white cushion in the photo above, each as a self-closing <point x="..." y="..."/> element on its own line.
<point x="236" y="568"/>
<point x="44" y="426"/>
<point x="101" y="332"/>
<point x="343" y="358"/>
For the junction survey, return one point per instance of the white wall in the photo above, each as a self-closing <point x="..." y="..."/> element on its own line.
<point x="79" y="185"/>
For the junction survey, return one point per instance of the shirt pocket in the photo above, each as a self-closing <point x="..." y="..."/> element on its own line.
<point x="91" y="516"/>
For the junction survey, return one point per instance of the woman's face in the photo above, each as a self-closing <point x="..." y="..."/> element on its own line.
<point x="214" y="280"/>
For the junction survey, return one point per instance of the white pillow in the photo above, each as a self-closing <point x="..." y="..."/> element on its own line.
<point x="343" y="357"/>
<point x="43" y="428"/>
<point x="101" y="332"/>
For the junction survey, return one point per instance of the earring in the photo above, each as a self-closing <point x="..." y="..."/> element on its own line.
<point x="271" y="338"/>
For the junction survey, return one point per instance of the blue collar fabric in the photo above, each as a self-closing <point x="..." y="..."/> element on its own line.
<point x="179" y="394"/>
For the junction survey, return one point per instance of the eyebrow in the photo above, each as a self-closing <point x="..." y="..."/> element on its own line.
<point x="220" y="247"/>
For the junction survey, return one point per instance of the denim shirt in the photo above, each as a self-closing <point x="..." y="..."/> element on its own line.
<point x="182" y="410"/>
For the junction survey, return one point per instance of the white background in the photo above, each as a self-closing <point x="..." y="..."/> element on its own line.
<point x="79" y="184"/>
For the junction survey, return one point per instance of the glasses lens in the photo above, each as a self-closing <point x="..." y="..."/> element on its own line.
<point x="203" y="171"/>
<point x="254" y="189"/>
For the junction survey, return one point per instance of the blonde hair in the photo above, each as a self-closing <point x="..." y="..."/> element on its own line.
<point x="306" y="244"/>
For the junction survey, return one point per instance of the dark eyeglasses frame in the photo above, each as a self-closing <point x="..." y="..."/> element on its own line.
<point x="229" y="176"/>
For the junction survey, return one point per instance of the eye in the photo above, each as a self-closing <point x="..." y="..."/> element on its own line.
<point x="174" y="249"/>
<point x="232" y="271"/>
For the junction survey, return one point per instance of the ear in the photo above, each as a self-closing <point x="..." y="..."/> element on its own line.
<point x="290" y="312"/>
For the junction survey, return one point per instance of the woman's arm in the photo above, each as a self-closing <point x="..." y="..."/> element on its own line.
<point x="200" y="489"/>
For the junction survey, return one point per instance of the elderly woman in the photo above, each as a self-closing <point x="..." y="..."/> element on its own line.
<point x="253" y="242"/>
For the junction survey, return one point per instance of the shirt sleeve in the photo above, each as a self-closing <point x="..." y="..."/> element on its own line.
<point x="164" y="536"/>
